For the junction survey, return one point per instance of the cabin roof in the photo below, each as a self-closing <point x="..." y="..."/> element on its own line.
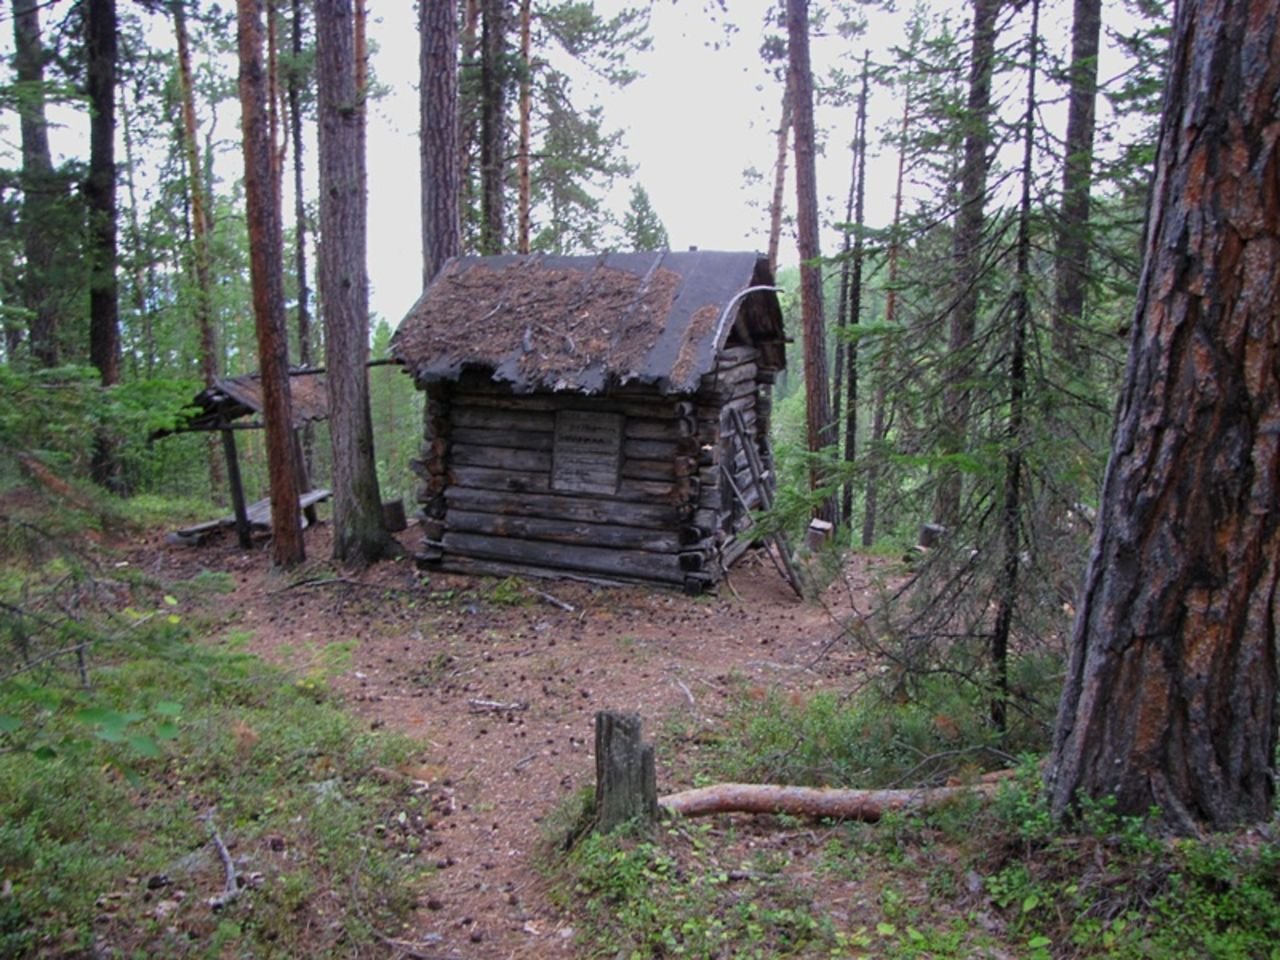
<point x="231" y="398"/>
<point x="588" y="323"/>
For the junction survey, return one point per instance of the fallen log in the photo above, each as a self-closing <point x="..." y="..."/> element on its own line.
<point x="822" y="802"/>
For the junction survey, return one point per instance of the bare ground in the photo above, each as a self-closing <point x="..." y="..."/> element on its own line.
<point x="500" y="682"/>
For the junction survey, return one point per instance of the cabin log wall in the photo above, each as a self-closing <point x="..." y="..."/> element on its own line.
<point x="490" y="502"/>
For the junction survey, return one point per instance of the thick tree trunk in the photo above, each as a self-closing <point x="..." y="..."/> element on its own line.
<point x="1071" y="259"/>
<point x="100" y="194"/>
<point x="359" y="537"/>
<point x="438" y="135"/>
<point x="967" y="256"/>
<point x="820" y="427"/>
<point x="266" y="267"/>
<point x="1170" y="697"/>
<point x="493" y="89"/>
<point x="39" y="187"/>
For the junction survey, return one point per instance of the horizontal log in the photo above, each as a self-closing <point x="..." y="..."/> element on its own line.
<point x="739" y="354"/>
<point x="576" y="532"/>
<point x="591" y="560"/>
<point x="493" y="418"/>
<point x="658" y="449"/>
<point x="512" y="437"/>
<point x="823" y="802"/>
<point x="500" y="458"/>
<point x="588" y="509"/>
<point x="471" y="566"/>
<point x="650" y="428"/>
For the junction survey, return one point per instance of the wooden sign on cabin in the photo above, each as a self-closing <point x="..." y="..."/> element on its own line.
<point x="586" y="455"/>
<point x="576" y="410"/>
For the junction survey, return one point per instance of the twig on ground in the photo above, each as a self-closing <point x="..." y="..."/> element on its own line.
<point x="231" y="886"/>
<point x="496" y="706"/>
<point x="553" y="600"/>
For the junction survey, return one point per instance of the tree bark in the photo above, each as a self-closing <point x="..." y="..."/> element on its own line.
<point x="438" y="135"/>
<point x="100" y="194"/>
<point x="39" y="187"/>
<point x="820" y="428"/>
<point x="266" y="268"/>
<point x="359" y="537"/>
<point x="967" y="257"/>
<point x="493" y="88"/>
<point x="1071" y="259"/>
<point x="1170" y="698"/>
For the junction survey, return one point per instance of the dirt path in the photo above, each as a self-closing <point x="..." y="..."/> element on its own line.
<point x="501" y="685"/>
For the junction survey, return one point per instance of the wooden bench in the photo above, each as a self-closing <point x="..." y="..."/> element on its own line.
<point x="258" y="515"/>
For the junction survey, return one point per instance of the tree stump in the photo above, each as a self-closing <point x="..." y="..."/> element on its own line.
<point x="626" y="784"/>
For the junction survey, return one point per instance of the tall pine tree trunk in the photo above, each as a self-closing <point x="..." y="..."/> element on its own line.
<point x="438" y="135"/>
<point x="967" y="256"/>
<point x="820" y="430"/>
<point x="266" y="268"/>
<point x="293" y="100"/>
<point x="39" y="187"/>
<point x="1071" y="259"/>
<point x="359" y="537"/>
<point x="879" y="417"/>
<point x="1170" y="697"/>
<point x="1015" y="427"/>
<point x="851" y="293"/>
<point x="526" y="111"/>
<point x="493" y="90"/>
<point x="779" y="178"/>
<point x="199" y="229"/>
<point x="100" y="194"/>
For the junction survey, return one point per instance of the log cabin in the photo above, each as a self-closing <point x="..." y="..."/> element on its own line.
<point x="604" y="417"/>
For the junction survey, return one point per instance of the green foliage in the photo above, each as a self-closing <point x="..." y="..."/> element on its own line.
<point x="641" y="226"/>
<point x="884" y="736"/>
<point x="673" y="897"/>
<point x="172" y="741"/>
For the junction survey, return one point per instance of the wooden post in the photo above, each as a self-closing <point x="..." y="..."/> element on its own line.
<point x="626" y="784"/>
<point x="237" y="488"/>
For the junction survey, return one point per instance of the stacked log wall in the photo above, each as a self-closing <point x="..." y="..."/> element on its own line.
<point x="498" y="505"/>
<point x="491" y="503"/>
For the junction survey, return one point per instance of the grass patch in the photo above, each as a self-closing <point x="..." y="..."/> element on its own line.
<point x="109" y="798"/>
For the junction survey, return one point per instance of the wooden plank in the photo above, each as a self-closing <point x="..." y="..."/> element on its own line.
<point x="494" y="418"/>
<point x="488" y="478"/>
<point x="562" y="507"/>
<point x="564" y="531"/>
<point x="649" y="428"/>
<point x="501" y="458"/>
<point x="657" y="449"/>
<point x="509" y="437"/>
<point x="591" y="560"/>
